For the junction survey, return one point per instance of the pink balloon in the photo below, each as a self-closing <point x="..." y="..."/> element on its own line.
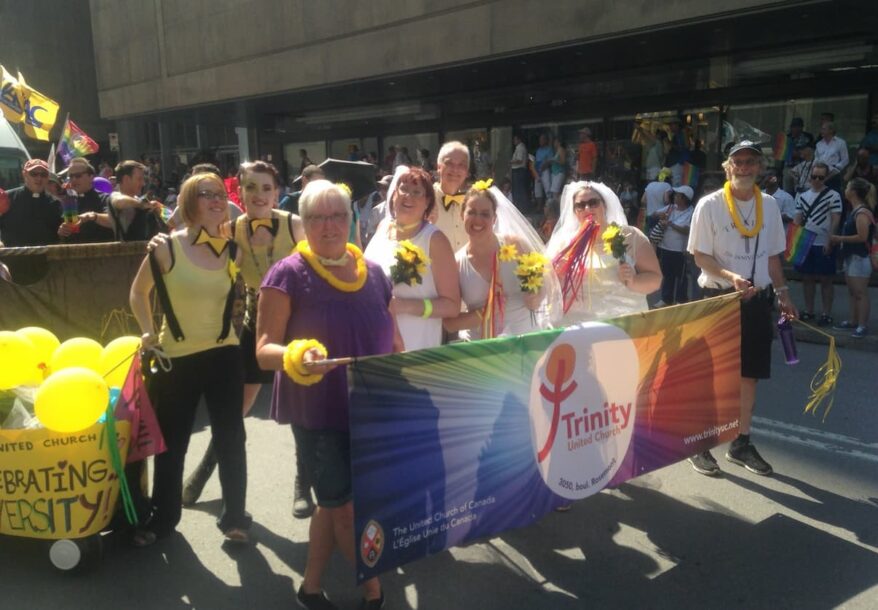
<point x="102" y="185"/>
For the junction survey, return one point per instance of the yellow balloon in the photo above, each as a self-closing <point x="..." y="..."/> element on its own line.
<point x="116" y="360"/>
<point x="71" y="400"/>
<point x="80" y="351"/>
<point x="18" y="361"/>
<point x="45" y="342"/>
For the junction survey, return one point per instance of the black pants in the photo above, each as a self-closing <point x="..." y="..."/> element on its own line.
<point x="521" y="188"/>
<point x="673" y="266"/>
<point x="217" y="375"/>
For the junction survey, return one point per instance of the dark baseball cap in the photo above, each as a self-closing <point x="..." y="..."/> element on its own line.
<point x="797" y="122"/>
<point x="746" y="145"/>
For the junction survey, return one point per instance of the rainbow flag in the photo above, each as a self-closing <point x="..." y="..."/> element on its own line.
<point x="74" y="142"/>
<point x="70" y="208"/>
<point x="691" y="174"/>
<point x="165" y="213"/>
<point x="799" y="241"/>
<point x="783" y="151"/>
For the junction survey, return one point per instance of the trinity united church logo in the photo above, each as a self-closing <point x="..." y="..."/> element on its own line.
<point x="582" y="408"/>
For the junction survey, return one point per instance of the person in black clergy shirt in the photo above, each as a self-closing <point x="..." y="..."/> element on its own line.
<point x="33" y="217"/>
<point x="81" y="175"/>
<point x="130" y="217"/>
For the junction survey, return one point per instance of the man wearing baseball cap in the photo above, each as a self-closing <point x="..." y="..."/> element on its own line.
<point x="736" y="237"/>
<point x="32" y="217"/>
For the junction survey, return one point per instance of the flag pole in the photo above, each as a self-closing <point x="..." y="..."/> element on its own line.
<point x="60" y="136"/>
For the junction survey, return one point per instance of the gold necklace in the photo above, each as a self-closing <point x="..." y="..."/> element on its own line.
<point x="304" y="249"/>
<point x="733" y="211"/>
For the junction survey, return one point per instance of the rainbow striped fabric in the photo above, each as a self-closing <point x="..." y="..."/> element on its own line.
<point x="783" y="151"/>
<point x="799" y="241"/>
<point x="74" y="142"/>
<point x="691" y="174"/>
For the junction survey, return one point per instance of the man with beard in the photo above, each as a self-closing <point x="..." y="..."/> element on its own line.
<point x="737" y="236"/>
<point x="453" y="167"/>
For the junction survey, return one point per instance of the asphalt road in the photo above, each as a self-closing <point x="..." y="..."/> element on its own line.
<point x="805" y="538"/>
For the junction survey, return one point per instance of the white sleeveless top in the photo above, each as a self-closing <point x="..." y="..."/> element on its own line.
<point x="474" y="288"/>
<point x="417" y="333"/>
<point x="602" y="294"/>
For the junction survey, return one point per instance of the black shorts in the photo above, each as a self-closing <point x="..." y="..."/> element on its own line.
<point x="757" y="332"/>
<point x="326" y="459"/>
<point x="252" y="372"/>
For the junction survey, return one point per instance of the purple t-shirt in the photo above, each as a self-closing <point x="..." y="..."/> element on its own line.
<point x="347" y="323"/>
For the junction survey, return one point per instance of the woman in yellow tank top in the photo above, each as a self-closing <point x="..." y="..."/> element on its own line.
<point x="264" y="235"/>
<point x="194" y="270"/>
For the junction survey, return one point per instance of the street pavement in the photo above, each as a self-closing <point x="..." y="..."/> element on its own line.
<point x="804" y="538"/>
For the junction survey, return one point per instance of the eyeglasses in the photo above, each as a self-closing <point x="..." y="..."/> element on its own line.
<point x="747" y="162"/>
<point x="73" y="176"/>
<point x="818" y="176"/>
<point x="213" y="195"/>
<point x="588" y="203"/>
<point x="319" y="219"/>
<point x="39" y="174"/>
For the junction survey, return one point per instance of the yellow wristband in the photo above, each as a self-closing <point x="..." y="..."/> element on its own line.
<point x="294" y="357"/>
<point x="428" y="309"/>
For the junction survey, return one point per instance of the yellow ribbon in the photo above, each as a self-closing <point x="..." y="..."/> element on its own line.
<point x="268" y="223"/>
<point x="825" y="379"/>
<point x="447" y="200"/>
<point x="217" y="245"/>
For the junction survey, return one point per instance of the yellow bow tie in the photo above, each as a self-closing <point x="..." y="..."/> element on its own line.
<point x="217" y="245"/>
<point x="268" y="223"/>
<point x="447" y="200"/>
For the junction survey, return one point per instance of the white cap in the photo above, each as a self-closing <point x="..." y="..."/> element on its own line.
<point x="685" y="190"/>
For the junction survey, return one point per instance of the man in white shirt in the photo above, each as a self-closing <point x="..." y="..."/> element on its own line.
<point x="519" y="175"/>
<point x="833" y="151"/>
<point x="785" y="201"/>
<point x="735" y="254"/>
<point x="819" y="209"/>
<point x="452" y="165"/>
<point x="656" y="196"/>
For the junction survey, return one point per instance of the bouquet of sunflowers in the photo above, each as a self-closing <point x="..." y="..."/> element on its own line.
<point x="411" y="264"/>
<point x="530" y="271"/>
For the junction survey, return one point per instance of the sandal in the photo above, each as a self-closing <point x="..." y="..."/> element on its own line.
<point x="237" y="536"/>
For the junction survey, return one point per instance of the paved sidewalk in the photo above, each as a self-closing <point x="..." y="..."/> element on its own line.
<point x="839" y="312"/>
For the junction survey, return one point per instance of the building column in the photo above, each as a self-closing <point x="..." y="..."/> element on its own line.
<point x="166" y="149"/>
<point x="130" y="146"/>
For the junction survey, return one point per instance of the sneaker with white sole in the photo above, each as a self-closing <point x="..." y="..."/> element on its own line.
<point x="749" y="458"/>
<point x="704" y="463"/>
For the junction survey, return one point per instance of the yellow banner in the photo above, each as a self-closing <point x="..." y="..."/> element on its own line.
<point x="54" y="485"/>
<point x="11" y="97"/>
<point x="40" y="112"/>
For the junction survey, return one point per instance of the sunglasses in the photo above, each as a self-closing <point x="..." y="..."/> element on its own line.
<point x="39" y="174"/>
<point x="75" y="176"/>
<point x="818" y="176"/>
<point x="588" y="203"/>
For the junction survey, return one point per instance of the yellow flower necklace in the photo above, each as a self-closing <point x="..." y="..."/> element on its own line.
<point x="733" y="211"/>
<point x="305" y="250"/>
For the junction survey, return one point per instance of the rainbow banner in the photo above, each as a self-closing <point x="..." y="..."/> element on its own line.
<point x="691" y="174"/>
<point x="74" y="142"/>
<point x="799" y="242"/>
<point x="783" y="150"/>
<point x="467" y="440"/>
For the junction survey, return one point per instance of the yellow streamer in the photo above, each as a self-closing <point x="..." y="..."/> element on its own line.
<point x="825" y="379"/>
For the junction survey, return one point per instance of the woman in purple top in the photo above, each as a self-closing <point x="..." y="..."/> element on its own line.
<point x="328" y="292"/>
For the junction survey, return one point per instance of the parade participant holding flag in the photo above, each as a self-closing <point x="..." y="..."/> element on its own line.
<point x="605" y="267"/>
<point x="84" y="197"/>
<point x="325" y="300"/>
<point x="505" y="280"/>
<point x="264" y="235"/>
<point x="194" y="274"/>
<point x="736" y="237"/>
<point x="453" y="167"/>
<point x="417" y="258"/>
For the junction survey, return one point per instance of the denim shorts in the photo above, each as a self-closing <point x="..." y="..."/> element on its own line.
<point x="857" y="266"/>
<point x="326" y="459"/>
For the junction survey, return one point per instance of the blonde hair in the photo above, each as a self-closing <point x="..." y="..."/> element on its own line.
<point x="187" y="200"/>
<point x="318" y="190"/>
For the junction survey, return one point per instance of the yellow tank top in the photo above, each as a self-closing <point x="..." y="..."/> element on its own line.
<point x="257" y="260"/>
<point x="198" y="297"/>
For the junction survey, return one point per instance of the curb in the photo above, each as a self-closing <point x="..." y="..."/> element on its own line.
<point x="843" y="339"/>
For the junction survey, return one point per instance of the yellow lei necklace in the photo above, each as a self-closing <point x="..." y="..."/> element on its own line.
<point x="733" y="211"/>
<point x="305" y="250"/>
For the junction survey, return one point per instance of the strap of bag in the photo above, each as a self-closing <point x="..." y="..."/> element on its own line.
<point x="162" y="292"/>
<point x="813" y="205"/>
<point x="755" y="254"/>
<point x="230" y="297"/>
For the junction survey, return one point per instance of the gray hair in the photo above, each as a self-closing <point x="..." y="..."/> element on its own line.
<point x="450" y="147"/>
<point x="318" y="190"/>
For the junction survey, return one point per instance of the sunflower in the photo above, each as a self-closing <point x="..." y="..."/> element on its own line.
<point x="507" y="253"/>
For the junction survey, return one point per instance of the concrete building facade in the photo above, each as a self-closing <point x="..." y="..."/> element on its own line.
<point x="266" y="78"/>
